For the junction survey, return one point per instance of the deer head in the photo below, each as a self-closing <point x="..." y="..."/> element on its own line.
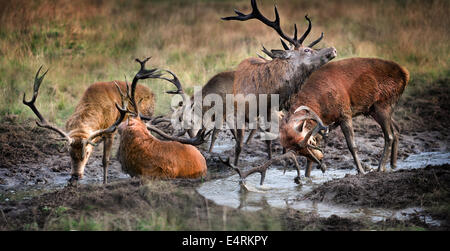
<point x="297" y="54"/>
<point x="295" y="135"/>
<point x="80" y="145"/>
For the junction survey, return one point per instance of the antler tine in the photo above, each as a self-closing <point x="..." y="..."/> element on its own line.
<point x="262" y="169"/>
<point x="268" y="53"/>
<point x="123" y="96"/>
<point x="316" y="41"/>
<point x="319" y="127"/>
<point x="42" y="122"/>
<point x="111" y="129"/>
<point x="302" y="38"/>
<point x="295" y="32"/>
<point x="197" y="140"/>
<point x="256" y="14"/>
<point x="313" y="114"/>
<point x="285" y="46"/>
<point x="174" y="81"/>
<point x="143" y="62"/>
<point x="142" y="74"/>
<point x="122" y="112"/>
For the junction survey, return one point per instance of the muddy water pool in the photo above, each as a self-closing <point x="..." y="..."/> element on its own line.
<point x="280" y="191"/>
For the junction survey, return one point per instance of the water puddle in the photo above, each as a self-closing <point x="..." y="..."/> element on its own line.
<point x="280" y="191"/>
<point x="423" y="159"/>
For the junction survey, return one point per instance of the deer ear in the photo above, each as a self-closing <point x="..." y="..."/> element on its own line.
<point x="282" y="54"/>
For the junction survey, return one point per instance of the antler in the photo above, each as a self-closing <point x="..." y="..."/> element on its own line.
<point x="122" y="112"/>
<point x="197" y="140"/>
<point x="256" y="14"/>
<point x="42" y="122"/>
<point x="316" y="41"/>
<point x="286" y="47"/>
<point x="262" y="169"/>
<point x="313" y="116"/>
<point x="177" y="83"/>
<point x="111" y="129"/>
<point x="142" y="74"/>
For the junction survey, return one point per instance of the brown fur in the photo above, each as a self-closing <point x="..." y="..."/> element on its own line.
<point x="141" y="154"/>
<point x="220" y="84"/>
<point x="344" y="89"/>
<point x="96" y="110"/>
<point x="283" y="76"/>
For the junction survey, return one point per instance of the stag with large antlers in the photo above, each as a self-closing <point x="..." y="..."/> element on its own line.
<point x="142" y="154"/>
<point x="93" y="115"/>
<point x="331" y="97"/>
<point x="282" y="75"/>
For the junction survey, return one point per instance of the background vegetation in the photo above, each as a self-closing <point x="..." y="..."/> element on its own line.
<point x="85" y="41"/>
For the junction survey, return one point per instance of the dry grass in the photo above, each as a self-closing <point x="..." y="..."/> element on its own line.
<point x="87" y="41"/>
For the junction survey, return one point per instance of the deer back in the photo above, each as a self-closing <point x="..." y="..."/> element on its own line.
<point x="141" y="154"/>
<point x="350" y="87"/>
<point x="96" y="108"/>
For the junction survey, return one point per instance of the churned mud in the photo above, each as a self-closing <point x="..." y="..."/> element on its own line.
<point x="34" y="195"/>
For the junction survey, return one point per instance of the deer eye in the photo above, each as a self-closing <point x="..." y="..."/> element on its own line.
<point x="307" y="50"/>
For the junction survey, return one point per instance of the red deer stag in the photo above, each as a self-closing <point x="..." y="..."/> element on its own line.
<point x="336" y="93"/>
<point x="91" y="118"/>
<point x="142" y="154"/>
<point x="283" y="75"/>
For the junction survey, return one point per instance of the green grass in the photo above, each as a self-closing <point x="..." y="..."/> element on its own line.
<point x="84" y="42"/>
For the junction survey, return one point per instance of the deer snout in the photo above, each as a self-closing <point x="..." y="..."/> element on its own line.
<point x="332" y="53"/>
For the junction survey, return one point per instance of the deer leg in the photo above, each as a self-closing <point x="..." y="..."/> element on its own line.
<point x="213" y="138"/>
<point x="347" y="129"/>
<point x="239" y="144"/>
<point x="250" y="136"/>
<point x="269" y="148"/>
<point x="107" y="147"/>
<point x="383" y="119"/>
<point x="308" y="168"/>
<point x="394" y="151"/>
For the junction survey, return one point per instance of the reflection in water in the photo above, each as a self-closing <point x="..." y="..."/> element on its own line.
<point x="279" y="190"/>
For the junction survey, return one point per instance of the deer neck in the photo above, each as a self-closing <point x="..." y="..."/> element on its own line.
<point x="293" y="78"/>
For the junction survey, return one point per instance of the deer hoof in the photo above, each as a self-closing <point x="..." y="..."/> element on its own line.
<point x="73" y="181"/>
<point x="323" y="167"/>
<point x="366" y="168"/>
<point x="297" y="180"/>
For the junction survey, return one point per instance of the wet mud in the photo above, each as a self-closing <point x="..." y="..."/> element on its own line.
<point x="33" y="176"/>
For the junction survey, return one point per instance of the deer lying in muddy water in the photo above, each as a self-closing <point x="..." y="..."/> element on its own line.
<point x="282" y="75"/>
<point x="331" y="97"/>
<point x="94" y="113"/>
<point x="142" y="154"/>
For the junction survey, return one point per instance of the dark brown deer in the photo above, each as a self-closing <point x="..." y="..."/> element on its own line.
<point x="336" y="93"/>
<point x="93" y="115"/>
<point x="220" y="84"/>
<point x="283" y="75"/>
